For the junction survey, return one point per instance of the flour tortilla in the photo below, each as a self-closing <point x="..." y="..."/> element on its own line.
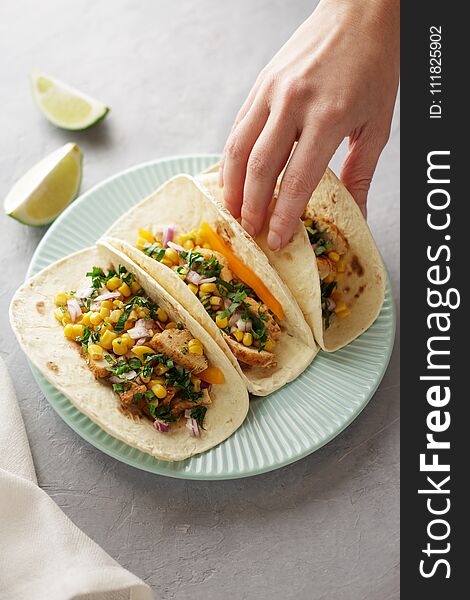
<point x="363" y="283"/>
<point x="59" y="360"/>
<point x="185" y="203"/>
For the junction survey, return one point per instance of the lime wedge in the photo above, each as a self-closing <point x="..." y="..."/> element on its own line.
<point x="47" y="188"/>
<point x="64" y="106"/>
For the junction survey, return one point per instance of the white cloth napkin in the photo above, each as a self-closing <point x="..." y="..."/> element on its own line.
<point x="43" y="556"/>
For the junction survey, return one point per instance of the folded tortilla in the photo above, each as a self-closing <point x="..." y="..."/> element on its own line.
<point x="363" y="283"/>
<point x="183" y="202"/>
<point x="59" y="360"/>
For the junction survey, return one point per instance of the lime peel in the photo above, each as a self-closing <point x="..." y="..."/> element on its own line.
<point x="65" y="106"/>
<point x="42" y="193"/>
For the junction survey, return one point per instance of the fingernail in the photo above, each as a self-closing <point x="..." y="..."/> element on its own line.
<point x="248" y="227"/>
<point x="274" y="240"/>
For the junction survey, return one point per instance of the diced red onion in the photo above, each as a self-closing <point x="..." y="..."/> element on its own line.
<point x="161" y="426"/>
<point x="118" y="378"/>
<point x="107" y="296"/>
<point x="194" y="277"/>
<point x="187" y="413"/>
<point x="74" y="308"/>
<point x="175" y="247"/>
<point x="137" y="332"/>
<point x="330" y="303"/>
<point x="208" y="280"/>
<point x="227" y="302"/>
<point x="244" y="325"/>
<point x="193" y="427"/>
<point x="168" y="234"/>
<point x="314" y="247"/>
<point x="141" y="341"/>
<point x="84" y="293"/>
<point x="147" y="323"/>
<point x="234" y="318"/>
<point x="205" y="385"/>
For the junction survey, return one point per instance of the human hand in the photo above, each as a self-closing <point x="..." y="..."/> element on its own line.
<point x="336" y="77"/>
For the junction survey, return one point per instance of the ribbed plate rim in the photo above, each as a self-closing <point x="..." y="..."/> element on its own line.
<point x="114" y="448"/>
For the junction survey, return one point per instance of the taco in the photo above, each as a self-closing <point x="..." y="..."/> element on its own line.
<point x="194" y="248"/>
<point x="123" y="351"/>
<point x="332" y="264"/>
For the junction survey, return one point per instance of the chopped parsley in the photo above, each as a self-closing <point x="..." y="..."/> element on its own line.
<point x="326" y="290"/>
<point x="199" y="413"/>
<point x="98" y="278"/>
<point x="121" y="387"/>
<point x="155" y="251"/>
<point x="315" y="236"/>
<point x="129" y="306"/>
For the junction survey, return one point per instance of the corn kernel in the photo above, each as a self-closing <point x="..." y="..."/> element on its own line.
<point x="269" y="345"/>
<point x="129" y="341"/>
<point x="308" y="222"/>
<point x="172" y="255"/>
<point x="118" y="303"/>
<point x="78" y="330"/>
<point x="208" y="288"/>
<point x="135" y="287"/>
<point x="133" y="315"/>
<point x="188" y="245"/>
<point x="141" y="244"/>
<point x="104" y="312"/>
<point x="162" y="315"/>
<point x="195" y="347"/>
<point x="115" y="315"/>
<point x="142" y="312"/>
<point x="106" y="326"/>
<point x="59" y="314"/>
<point x="238" y="335"/>
<point x="107" y="338"/>
<point x="68" y="331"/>
<point x="124" y="289"/>
<point x="343" y="313"/>
<point x="334" y="256"/>
<point x="247" y="339"/>
<point x="340" y="306"/>
<point x="194" y="288"/>
<point x="95" y="318"/>
<point x="95" y="352"/>
<point x="159" y="391"/>
<point x="160" y="369"/>
<point x="140" y="351"/>
<point x="86" y="318"/>
<point x="221" y="322"/>
<point x="66" y="319"/>
<point x="155" y="380"/>
<point x="216" y="301"/>
<point x="170" y="325"/>
<point x="167" y="262"/>
<point x="128" y="325"/>
<point x="207" y="245"/>
<point x="61" y="299"/>
<point x="145" y="378"/>
<point x="113" y="283"/>
<point x="147" y="235"/>
<point x="119" y="346"/>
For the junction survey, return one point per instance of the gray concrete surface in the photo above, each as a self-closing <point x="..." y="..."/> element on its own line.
<point x="174" y="74"/>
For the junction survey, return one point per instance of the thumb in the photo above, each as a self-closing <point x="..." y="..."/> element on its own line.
<point x="359" y="166"/>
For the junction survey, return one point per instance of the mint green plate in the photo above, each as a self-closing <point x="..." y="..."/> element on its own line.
<point x="281" y="428"/>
